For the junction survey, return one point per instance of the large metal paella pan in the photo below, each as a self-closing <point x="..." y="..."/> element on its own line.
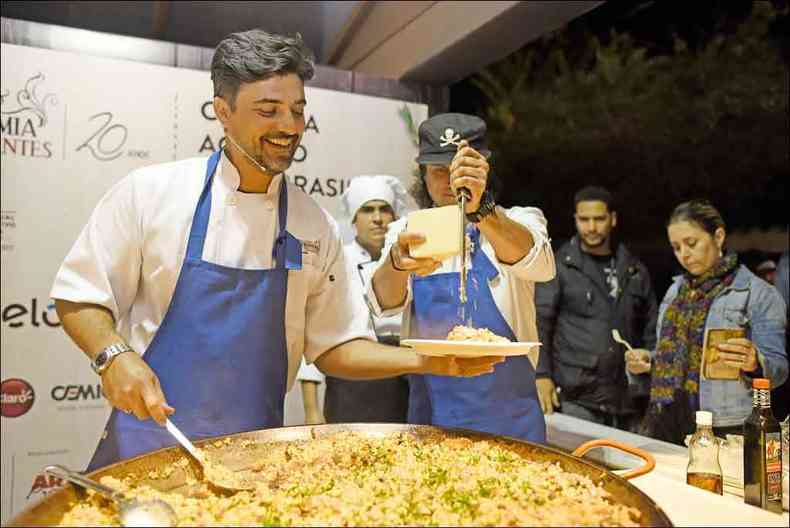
<point x="50" y="510"/>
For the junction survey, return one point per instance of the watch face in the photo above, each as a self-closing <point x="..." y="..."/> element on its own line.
<point x="101" y="359"/>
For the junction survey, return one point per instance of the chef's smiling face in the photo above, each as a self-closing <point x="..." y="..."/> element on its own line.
<point x="266" y="119"/>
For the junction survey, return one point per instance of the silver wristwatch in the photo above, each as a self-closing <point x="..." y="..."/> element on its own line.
<point x="105" y="357"/>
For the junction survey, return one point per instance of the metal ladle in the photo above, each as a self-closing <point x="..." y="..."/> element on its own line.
<point x="209" y="472"/>
<point x="133" y="512"/>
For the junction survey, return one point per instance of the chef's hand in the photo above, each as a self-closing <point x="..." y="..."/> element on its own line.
<point x="469" y="169"/>
<point x="739" y="352"/>
<point x="462" y="367"/>
<point x="637" y="361"/>
<point x="132" y="387"/>
<point x="547" y="394"/>
<point x="400" y="259"/>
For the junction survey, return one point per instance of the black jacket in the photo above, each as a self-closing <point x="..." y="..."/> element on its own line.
<point x="576" y="316"/>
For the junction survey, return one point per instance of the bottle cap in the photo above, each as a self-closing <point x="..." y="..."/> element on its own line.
<point x="761" y="383"/>
<point x="704" y="418"/>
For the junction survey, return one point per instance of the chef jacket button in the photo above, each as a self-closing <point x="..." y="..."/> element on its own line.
<point x="231" y="199"/>
<point x="268" y="204"/>
<point x="104" y="434"/>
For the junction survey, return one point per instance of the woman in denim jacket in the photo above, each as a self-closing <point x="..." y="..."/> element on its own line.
<point x="714" y="292"/>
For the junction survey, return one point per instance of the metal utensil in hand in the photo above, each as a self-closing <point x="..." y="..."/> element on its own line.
<point x="463" y="196"/>
<point x="133" y="512"/>
<point x="211" y="473"/>
<point x="631" y="377"/>
<point x="618" y="338"/>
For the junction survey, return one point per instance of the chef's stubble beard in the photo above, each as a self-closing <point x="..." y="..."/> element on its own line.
<point x="259" y="165"/>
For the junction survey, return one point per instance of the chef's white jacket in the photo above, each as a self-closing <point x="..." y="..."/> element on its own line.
<point x="361" y="265"/>
<point x="129" y="255"/>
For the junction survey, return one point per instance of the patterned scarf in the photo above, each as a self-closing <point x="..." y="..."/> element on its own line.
<point x="679" y="349"/>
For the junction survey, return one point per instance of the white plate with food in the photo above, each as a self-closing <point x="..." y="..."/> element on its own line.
<point x="470" y="342"/>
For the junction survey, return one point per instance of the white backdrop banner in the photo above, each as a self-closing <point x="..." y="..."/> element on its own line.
<point x="72" y="126"/>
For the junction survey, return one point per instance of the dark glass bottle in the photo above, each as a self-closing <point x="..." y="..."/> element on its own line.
<point x="762" y="452"/>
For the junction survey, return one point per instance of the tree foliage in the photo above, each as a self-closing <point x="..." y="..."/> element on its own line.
<point x="656" y="129"/>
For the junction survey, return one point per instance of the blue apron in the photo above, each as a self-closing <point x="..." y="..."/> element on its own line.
<point x="220" y="353"/>
<point x="504" y="402"/>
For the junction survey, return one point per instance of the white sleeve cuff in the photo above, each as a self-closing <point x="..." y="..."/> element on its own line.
<point x="533" y="220"/>
<point x="309" y="373"/>
<point x="375" y="307"/>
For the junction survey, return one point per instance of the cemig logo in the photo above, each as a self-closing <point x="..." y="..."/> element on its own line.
<point x="44" y="484"/>
<point x="76" y="392"/>
<point x="16" y="397"/>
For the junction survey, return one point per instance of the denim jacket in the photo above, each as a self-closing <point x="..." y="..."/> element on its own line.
<point x="753" y="304"/>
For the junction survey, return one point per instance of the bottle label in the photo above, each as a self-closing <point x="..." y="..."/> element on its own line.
<point x="773" y="466"/>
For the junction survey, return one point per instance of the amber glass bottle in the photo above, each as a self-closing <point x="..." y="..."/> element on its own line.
<point x="704" y="470"/>
<point x="762" y="452"/>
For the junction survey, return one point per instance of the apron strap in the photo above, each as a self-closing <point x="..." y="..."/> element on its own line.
<point x="197" y="235"/>
<point x="287" y="252"/>
<point x="479" y="259"/>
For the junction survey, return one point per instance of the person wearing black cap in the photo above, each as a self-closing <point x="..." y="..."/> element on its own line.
<point x="510" y="252"/>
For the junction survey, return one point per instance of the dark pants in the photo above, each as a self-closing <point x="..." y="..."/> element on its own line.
<point x="627" y="422"/>
<point x="368" y="401"/>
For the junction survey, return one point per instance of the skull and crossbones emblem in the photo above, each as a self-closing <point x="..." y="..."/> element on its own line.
<point x="450" y="137"/>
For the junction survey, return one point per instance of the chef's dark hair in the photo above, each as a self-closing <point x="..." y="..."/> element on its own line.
<point x="419" y="189"/>
<point x="255" y="55"/>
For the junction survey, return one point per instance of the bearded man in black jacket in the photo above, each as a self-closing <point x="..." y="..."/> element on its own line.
<point x="597" y="289"/>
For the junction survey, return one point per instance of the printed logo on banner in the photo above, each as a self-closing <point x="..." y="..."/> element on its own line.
<point x="43" y="485"/>
<point x="108" y="140"/>
<point x="23" y="119"/>
<point x="76" y="396"/>
<point x="18" y="315"/>
<point x="16" y="397"/>
<point x="7" y="230"/>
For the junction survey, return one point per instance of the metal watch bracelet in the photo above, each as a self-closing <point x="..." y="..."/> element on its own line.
<point x="105" y="357"/>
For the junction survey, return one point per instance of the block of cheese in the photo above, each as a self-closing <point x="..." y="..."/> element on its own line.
<point x="442" y="229"/>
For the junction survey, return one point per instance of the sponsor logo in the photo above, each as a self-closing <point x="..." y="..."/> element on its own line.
<point x="18" y="315"/>
<point x="78" y="397"/>
<point x="16" y="397"/>
<point x="43" y="485"/>
<point x="76" y="392"/>
<point x="7" y="229"/>
<point x="23" y="119"/>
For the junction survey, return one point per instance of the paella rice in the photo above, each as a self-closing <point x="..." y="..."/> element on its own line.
<point x="345" y="479"/>
<point x="467" y="333"/>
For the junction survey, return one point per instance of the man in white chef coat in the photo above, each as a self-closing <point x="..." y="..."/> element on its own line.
<point x="197" y="286"/>
<point x="370" y="204"/>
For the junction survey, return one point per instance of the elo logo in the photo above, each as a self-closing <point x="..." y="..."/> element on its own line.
<point x="14" y="315"/>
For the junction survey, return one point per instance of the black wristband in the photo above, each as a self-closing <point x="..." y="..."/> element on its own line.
<point x="392" y="261"/>
<point x="485" y="208"/>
